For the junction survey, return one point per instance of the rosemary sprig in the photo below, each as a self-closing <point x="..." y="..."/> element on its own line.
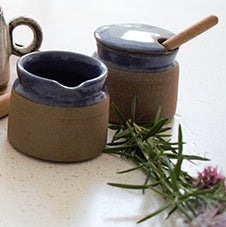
<point x="147" y="145"/>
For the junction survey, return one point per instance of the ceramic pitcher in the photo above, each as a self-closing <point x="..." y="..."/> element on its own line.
<point x="139" y="64"/>
<point x="59" y="106"/>
<point x="8" y="47"/>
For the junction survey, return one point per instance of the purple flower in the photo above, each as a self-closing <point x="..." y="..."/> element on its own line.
<point x="208" y="177"/>
<point x="209" y="218"/>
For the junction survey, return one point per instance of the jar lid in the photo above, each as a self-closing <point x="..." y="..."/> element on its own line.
<point x="133" y="38"/>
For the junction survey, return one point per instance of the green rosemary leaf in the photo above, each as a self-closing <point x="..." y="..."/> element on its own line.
<point x="116" y="143"/>
<point x="132" y="134"/>
<point x="174" y="143"/>
<point x="123" y="134"/>
<point x="156" y="212"/>
<point x="180" y="140"/>
<point x="147" y="150"/>
<point x="190" y="208"/>
<point x="169" y="147"/>
<point x="114" y="126"/>
<point x="145" y="124"/>
<point x="139" y="187"/>
<point x="218" y="198"/>
<point x="116" y="132"/>
<point x="120" y="154"/>
<point x="132" y="169"/>
<point x="201" y="191"/>
<point x="171" y="212"/>
<point x="220" y="186"/>
<point x="147" y="179"/>
<point x="157" y="116"/>
<point x="133" y="109"/>
<point x="118" y="148"/>
<point x="165" y="129"/>
<point x="128" y="186"/>
<point x="118" y="113"/>
<point x="161" y="193"/>
<point x="180" y="157"/>
<point x="188" y="157"/>
<point x="163" y="137"/>
<point x="182" y="210"/>
<point x="177" y="168"/>
<point x="161" y="177"/>
<point x="155" y="129"/>
<point x="173" y="176"/>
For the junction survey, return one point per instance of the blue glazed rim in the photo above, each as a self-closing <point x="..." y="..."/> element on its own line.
<point x="135" y="62"/>
<point x="40" y="88"/>
<point x="133" y="54"/>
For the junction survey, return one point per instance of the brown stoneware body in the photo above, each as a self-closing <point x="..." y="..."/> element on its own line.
<point x="60" y="114"/>
<point x="61" y="134"/>
<point x="153" y="90"/>
<point x="138" y="64"/>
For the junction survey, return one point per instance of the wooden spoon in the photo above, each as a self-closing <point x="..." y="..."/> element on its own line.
<point x="191" y="32"/>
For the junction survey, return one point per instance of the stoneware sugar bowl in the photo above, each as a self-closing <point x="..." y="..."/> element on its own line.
<point x="138" y="64"/>
<point x="59" y="106"/>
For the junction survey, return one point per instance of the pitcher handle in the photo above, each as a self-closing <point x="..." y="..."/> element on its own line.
<point x="37" y="33"/>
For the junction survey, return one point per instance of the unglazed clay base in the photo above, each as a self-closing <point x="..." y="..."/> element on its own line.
<point x="61" y="134"/>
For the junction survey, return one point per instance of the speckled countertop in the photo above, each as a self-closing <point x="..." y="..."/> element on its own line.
<point x="37" y="193"/>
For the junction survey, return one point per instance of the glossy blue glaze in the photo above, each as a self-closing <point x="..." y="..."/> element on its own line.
<point x="134" y="47"/>
<point x="60" y="78"/>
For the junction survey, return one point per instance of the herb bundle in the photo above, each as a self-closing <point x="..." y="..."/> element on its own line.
<point x="148" y="145"/>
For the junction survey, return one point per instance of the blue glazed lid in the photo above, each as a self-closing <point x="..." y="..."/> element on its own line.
<point x="134" y="47"/>
<point x="135" y="38"/>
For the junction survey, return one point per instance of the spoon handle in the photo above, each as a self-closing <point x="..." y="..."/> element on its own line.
<point x="191" y="32"/>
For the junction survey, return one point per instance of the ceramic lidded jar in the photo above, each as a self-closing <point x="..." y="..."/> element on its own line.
<point x="138" y="64"/>
<point x="59" y="106"/>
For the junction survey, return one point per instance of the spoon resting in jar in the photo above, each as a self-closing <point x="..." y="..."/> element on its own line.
<point x="190" y="33"/>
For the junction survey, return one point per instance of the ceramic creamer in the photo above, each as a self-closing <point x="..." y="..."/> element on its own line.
<point x="139" y="64"/>
<point x="59" y="106"/>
